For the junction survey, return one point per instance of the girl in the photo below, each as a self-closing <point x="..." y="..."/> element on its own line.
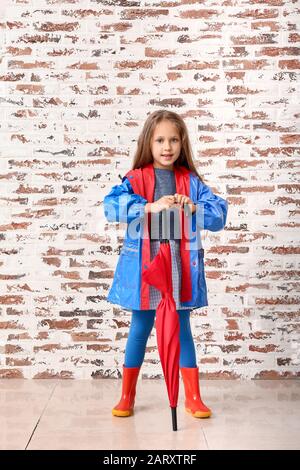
<point x="163" y="177"/>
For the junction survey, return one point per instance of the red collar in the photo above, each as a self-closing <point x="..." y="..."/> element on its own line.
<point x="142" y="181"/>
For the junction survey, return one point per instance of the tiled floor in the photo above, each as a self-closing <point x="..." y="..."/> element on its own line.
<point x="67" y="414"/>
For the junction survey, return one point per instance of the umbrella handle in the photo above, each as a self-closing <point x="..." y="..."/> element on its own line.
<point x="164" y="224"/>
<point x="164" y="221"/>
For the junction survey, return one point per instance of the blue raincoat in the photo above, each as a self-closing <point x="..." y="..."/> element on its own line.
<point x="123" y="204"/>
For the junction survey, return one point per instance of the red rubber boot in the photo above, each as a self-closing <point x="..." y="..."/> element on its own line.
<point x="125" y="406"/>
<point x="193" y="402"/>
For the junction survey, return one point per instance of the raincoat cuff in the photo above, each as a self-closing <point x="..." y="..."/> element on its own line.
<point x="211" y="215"/>
<point x="137" y="210"/>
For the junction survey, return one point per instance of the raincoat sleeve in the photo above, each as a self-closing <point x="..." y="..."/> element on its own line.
<point x="122" y="204"/>
<point x="211" y="210"/>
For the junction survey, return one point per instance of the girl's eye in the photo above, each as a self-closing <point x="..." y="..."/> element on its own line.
<point x="159" y="140"/>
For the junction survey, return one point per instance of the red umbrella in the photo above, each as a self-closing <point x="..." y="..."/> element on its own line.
<point x="159" y="275"/>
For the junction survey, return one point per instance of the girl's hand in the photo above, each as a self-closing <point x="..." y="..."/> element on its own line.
<point x="182" y="199"/>
<point x="164" y="202"/>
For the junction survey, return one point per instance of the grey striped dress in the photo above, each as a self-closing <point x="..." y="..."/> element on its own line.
<point x="165" y="185"/>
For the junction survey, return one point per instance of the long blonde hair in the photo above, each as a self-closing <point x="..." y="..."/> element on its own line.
<point x="143" y="154"/>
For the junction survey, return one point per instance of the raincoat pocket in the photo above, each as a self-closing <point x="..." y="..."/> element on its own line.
<point x="128" y="266"/>
<point x="130" y="248"/>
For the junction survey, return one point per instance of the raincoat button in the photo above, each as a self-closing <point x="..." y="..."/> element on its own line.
<point x="194" y="263"/>
<point x="131" y="176"/>
<point x="145" y="266"/>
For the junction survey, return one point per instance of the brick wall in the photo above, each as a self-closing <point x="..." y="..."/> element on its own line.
<point x="78" y="78"/>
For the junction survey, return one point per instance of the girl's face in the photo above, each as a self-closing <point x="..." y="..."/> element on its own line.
<point x="165" y="145"/>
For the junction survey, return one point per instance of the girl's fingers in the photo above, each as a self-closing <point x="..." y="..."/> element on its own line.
<point x="180" y="199"/>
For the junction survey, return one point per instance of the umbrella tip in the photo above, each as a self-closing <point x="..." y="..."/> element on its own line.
<point x="174" y="418"/>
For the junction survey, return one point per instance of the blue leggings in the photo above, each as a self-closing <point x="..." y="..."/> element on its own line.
<point x="141" y="325"/>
